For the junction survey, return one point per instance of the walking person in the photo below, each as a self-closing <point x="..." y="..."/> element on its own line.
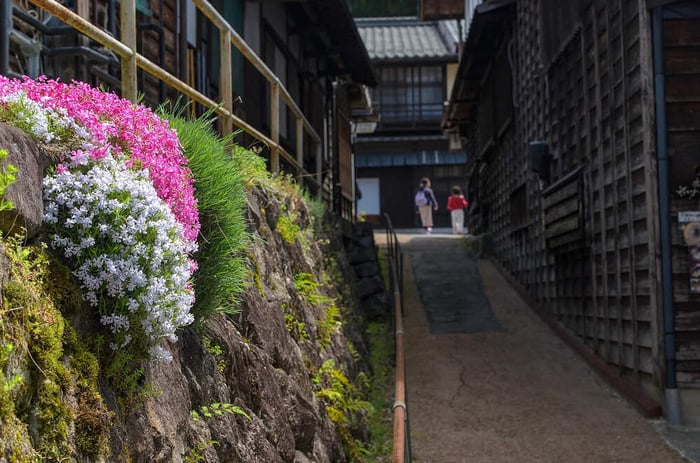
<point x="456" y="203"/>
<point x="425" y="204"/>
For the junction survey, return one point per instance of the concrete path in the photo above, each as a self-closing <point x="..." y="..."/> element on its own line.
<point x="502" y="389"/>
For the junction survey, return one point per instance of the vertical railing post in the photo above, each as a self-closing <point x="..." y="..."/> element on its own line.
<point x="226" y="78"/>
<point x="300" y="145"/>
<point x="6" y="26"/>
<point x="275" y="126"/>
<point x="319" y="167"/>
<point x="128" y="38"/>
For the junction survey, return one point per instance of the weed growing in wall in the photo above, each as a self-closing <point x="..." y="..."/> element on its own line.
<point x="310" y="291"/>
<point x="344" y="405"/>
<point x="7" y="178"/>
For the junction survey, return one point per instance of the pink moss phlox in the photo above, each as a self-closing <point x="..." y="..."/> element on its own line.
<point x="127" y="128"/>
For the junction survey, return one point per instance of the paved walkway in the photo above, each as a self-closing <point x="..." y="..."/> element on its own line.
<point x="497" y="385"/>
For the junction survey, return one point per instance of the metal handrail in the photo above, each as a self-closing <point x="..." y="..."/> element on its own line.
<point x="402" y="439"/>
<point x="131" y="60"/>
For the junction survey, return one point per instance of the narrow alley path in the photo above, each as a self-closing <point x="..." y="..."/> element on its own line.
<point x="487" y="380"/>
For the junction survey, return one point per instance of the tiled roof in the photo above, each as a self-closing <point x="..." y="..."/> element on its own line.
<point x="405" y="38"/>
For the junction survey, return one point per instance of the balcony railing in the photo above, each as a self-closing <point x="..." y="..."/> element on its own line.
<point x="131" y="61"/>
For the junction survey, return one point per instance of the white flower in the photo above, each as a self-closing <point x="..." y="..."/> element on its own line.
<point x="127" y="247"/>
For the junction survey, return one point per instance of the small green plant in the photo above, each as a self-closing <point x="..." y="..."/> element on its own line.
<point x="295" y="327"/>
<point x="329" y="325"/>
<point x="7" y="178"/>
<point x="196" y="453"/>
<point x="256" y="274"/>
<point x="217" y="409"/>
<point x="216" y="351"/>
<point x="7" y="386"/>
<point x="310" y="290"/>
<point x="287" y="229"/>
<point x="345" y="406"/>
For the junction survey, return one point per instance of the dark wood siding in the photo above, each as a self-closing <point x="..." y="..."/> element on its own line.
<point x="682" y="66"/>
<point x="588" y="248"/>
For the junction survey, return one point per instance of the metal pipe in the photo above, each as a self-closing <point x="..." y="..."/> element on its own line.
<point x="673" y="413"/>
<point x="86" y="52"/>
<point x="112" y="17"/>
<point x="5" y="27"/>
<point x="84" y="26"/>
<point x="39" y="25"/>
<point x="401" y="448"/>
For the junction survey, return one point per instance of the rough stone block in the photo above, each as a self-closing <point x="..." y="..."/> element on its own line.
<point x="26" y="191"/>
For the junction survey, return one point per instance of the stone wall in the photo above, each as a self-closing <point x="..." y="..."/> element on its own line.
<point x="264" y="360"/>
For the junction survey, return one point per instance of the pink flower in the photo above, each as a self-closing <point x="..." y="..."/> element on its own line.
<point x="119" y="126"/>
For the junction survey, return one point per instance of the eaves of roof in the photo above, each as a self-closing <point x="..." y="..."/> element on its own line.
<point x="405" y="39"/>
<point x="488" y="25"/>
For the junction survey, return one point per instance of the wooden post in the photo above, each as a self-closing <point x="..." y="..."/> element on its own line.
<point x="275" y="126"/>
<point x="226" y="78"/>
<point x="319" y="167"/>
<point x="82" y="8"/>
<point x="300" y="145"/>
<point x="128" y="38"/>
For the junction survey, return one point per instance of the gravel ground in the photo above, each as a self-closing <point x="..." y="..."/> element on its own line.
<point x="511" y="393"/>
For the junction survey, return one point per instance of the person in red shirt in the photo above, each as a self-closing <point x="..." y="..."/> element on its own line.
<point x="456" y="203"/>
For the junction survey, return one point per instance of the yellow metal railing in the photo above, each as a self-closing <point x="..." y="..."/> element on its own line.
<point x="131" y="61"/>
<point x="401" y="448"/>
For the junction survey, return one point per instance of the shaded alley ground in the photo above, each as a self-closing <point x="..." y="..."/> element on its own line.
<point x="488" y="381"/>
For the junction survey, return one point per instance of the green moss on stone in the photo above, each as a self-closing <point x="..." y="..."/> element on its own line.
<point x="69" y="419"/>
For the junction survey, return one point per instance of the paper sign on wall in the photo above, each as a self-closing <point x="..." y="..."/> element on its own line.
<point x="689" y="222"/>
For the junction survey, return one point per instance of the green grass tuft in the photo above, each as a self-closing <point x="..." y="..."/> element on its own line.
<point x="221" y="196"/>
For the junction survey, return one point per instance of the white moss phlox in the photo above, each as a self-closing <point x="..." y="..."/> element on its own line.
<point x="127" y="246"/>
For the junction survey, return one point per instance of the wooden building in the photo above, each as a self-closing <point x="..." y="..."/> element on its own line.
<point x="415" y="63"/>
<point x="313" y="49"/>
<point x="583" y="120"/>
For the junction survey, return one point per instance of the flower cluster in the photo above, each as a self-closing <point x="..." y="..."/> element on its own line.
<point x="127" y="248"/>
<point x="45" y="124"/>
<point x="121" y="203"/>
<point x="129" y="130"/>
